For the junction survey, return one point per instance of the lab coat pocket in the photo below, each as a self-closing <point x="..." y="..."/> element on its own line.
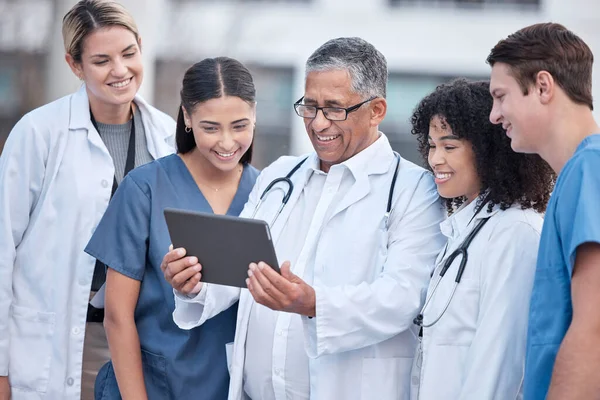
<point x="30" y="353"/>
<point x="386" y="378"/>
<point x="155" y="376"/>
<point x="229" y="355"/>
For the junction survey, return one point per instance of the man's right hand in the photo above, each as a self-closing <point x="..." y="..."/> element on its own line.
<point x="4" y="388"/>
<point x="183" y="273"/>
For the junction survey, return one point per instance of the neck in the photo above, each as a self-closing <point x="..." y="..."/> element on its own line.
<point x="372" y="138"/>
<point x="205" y="171"/>
<point x="567" y="131"/>
<point x="110" y="114"/>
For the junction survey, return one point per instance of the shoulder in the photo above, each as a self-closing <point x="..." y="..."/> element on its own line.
<point x="411" y="173"/>
<point x="146" y="176"/>
<point x="159" y="118"/>
<point x="43" y="125"/>
<point x="252" y="172"/>
<point x="281" y="167"/>
<point x="515" y="223"/>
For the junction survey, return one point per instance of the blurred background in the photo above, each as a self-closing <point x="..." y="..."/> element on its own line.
<point x="426" y="42"/>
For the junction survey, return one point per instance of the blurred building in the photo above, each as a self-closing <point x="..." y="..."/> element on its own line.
<point x="426" y="42"/>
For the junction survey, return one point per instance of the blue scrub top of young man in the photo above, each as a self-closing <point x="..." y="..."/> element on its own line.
<point x="572" y="219"/>
<point x="132" y="238"/>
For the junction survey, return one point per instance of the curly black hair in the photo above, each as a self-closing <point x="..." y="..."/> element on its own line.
<point x="506" y="177"/>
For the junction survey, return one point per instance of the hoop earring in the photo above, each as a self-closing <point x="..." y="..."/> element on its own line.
<point x="187" y="129"/>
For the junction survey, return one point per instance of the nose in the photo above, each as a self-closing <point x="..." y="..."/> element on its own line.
<point x="436" y="158"/>
<point x="495" y="115"/>
<point x="227" y="141"/>
<point x="320" y="123"/>
<point x="119" y="68"/>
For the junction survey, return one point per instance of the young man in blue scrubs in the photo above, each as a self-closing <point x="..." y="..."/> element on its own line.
<point x="541" y="83"/>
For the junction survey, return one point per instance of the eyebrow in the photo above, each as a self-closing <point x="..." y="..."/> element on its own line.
<point x="447" y="137"/>
<point x="123" y="51"/>
<point x="328" y="103"/>
<point x="237" y="121"/>
<point x="210" y="122"/>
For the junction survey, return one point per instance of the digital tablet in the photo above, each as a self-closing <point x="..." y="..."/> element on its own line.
<point x="225" y="245"/>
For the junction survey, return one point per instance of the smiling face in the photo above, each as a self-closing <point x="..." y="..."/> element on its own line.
<point x="111" y="66"/>
<point x="337" y="141"/>
<point x="522" y="116"/>
<point x="223" y="129"/>
<point x="453" y="162"/>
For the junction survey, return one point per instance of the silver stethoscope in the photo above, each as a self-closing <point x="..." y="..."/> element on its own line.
<point x="287" y="180"/>
<point x="460" y="251"/>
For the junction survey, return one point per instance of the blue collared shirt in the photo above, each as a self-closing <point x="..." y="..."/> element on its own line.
<point x="572" y="219"/>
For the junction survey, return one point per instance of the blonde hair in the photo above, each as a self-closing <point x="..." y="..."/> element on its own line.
<point x="89" y="15"/>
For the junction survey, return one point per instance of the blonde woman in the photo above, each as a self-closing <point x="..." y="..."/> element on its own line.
<point x="59" y="168"/>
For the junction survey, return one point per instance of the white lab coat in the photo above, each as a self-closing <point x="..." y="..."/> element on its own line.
<point x="369" y="281"/>
<point x="477" y="349"/>
<point x="55" y="183"/>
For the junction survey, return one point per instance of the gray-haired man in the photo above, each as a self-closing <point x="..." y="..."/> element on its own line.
<point x="337" y="322"/>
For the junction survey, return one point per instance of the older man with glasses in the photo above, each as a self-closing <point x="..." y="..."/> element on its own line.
<point x="359" y="250"/>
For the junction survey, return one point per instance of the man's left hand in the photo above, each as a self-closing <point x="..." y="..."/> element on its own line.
<point x="285" y="292"/>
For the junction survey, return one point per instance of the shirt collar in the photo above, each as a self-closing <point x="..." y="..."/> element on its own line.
<point x="375" y="159"/>
<point x="462" y="219"/>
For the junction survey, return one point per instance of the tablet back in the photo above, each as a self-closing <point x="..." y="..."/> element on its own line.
<point x="225" y="245"/>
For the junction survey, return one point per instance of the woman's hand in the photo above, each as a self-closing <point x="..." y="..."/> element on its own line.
<point x="182" y="273"/>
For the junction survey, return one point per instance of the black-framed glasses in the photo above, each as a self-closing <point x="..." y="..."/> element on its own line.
<point x="331" y="113"/>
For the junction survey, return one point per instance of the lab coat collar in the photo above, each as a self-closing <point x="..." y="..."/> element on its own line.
<point x="462" y="220"/>
<point x="80" y="113"/>
<point x="158" y="131"/>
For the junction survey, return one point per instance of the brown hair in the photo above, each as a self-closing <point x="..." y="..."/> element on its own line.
<point x="89" y="15"/>
<point x="548" y="47"/>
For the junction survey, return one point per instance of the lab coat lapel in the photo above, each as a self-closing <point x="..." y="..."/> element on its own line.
<point x="358" y="190"/>
<point x="299" y="180"/>
<point x="370" y="161"/>
<point x="157" y="132"/>
<point x="80" y="119"/>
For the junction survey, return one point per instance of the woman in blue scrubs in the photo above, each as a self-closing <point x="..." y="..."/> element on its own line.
<point x="151" y="357"/>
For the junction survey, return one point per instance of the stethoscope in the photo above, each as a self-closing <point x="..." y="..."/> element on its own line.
<point x="287" y="180"/>
<point x="462" y="250"/>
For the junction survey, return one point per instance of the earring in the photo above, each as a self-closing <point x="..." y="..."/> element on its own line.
<point x="187" y="129"/>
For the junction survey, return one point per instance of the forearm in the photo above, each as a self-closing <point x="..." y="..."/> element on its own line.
<point x="124" y="345"/>
<point x="575" y="374"/>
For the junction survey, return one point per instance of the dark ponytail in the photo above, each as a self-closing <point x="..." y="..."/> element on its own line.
<point x="209" y="79"/>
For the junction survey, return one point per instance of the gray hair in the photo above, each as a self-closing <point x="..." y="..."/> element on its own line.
<point x="365" y="64"/>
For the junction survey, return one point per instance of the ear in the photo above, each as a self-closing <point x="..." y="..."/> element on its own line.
<point x="74" y="65"/>
<point x="186" y="118"/>
<point x="545" y="86"/>
<point x="140" y="43"/>
<point x="378" y="110"/>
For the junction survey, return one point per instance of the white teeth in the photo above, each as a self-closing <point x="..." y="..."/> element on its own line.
<point x="442" y="176"/>
<point x="225" y="155"/>
<point x="327" y="138"/>
<point x="121" y="84"/>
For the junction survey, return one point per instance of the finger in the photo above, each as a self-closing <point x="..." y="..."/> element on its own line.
<point x="171" y="256"/>
<point x="180" y="279"/>
<point x="258" y="292"/>
<point x="174" y="255"/>
<point x="276" y="280"/>
<point x="193" y="285"/>
<point x="286" y="272"/>
<point x="175" y="267"/>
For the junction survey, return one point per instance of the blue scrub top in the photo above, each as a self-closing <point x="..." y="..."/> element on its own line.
<point x="572" y="219"/>
<point x="132" y="238"/>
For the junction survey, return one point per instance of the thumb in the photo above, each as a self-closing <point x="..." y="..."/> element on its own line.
<point x="286" y="272"/>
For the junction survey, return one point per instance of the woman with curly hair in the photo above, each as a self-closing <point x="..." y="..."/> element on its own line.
<point x="473" y="332"/>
